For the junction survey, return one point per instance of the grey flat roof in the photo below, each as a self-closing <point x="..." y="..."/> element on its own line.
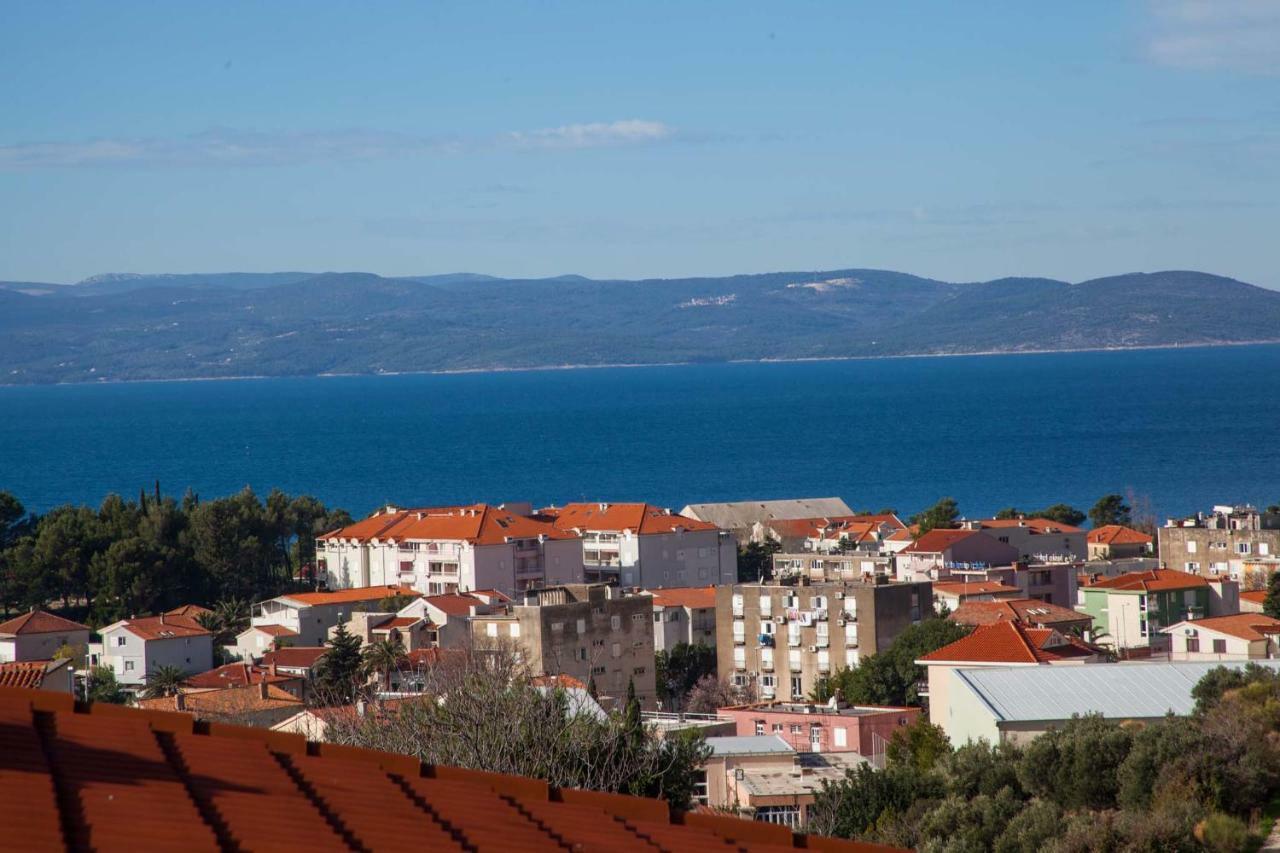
<point x="748" y="745"/>
<point x="1117" y="690"/>
<point x="739" y="514"/>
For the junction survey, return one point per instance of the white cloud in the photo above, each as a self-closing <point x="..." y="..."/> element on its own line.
<point x="594" y="135"/>
<point x="229" y="147"/>
<point x="1230" y="35"/>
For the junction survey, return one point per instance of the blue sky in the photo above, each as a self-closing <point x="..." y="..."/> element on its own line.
<point x="958" y="140"/>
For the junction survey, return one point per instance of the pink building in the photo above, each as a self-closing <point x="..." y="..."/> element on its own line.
<point x="864" y="729"/>
<point x="937" y="553"/>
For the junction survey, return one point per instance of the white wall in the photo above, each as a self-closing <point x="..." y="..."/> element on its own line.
<point x="39" y="646"/>
<point x="135" y="657"/>
<point x="688" y="558"/>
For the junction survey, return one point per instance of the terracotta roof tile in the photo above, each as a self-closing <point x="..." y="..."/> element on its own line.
<point x="1153" y="580"/>
<point x="938" y="540"/>
<point x="161" y="627"/>
<point x="1010" y="642"/>
<point x="1029" y="611"/>
<point x="1246" y="626"/>
<point x="1118" y="534"/>
<point x="459" y="604"/>
<point x="1257" y="596"/>
<point x="1038" y="526"/>
<point x="236" y="675"/>
<point x="295" y="657"/>
<point x="39" y="622"/>
<point x="695" y="597"/>
<point x="192" y="610"/>
<point x="973" y="587"/>
<point x="479" y="524"/>
<point x="132" y="779"/>
<point x="272" y="630"/>
<point x="347" y="596"/>
<point x="640" y="518"/>
<point x="29" y="673"/>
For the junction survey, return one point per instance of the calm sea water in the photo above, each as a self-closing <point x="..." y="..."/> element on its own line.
<point x="1187" y="428"/>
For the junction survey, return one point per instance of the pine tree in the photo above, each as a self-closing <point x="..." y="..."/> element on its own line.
<point x="340" y="667"/>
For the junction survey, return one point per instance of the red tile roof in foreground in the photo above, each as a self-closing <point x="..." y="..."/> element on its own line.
<point x="29" y="673"/>
<point x="640" y="519"/>
<point x="119" y="778"/>
<point x="39" y="622"/>
<point x="1011" y="642"/>
<point x="1154" y="580"/>
<point x="1257" y="596"/>
<point x="1118" y="534"/>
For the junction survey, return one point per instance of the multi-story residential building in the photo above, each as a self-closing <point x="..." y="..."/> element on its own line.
<point x="1038" y="539"/>
<point x="954" y="594"/>
<point x="1028" y="611"/>
<point x="449" y="549"/>
<point x="38" y="635"/>
<point x="1219" y="543"/>
<point x="806" y="727"/>
<point x="684" y="615"/>
<point x="741" y="517"/>
<point x="785" y="636"/>
<point x="829" y="535"/>
<point x="310" y="615"/>
<point x="1117" y="542"/>
<point x="593" y="632"/>
<point x="1133" y="608"/>
<point x="135" y="648"/>
<point x="639" y="545"/>
<point x="1053" y="583"/>
<point x="937" y="553"/>
<point x="1240" y="636"/>
<point x="822" y="567"/>
<point x="448" y="615"/>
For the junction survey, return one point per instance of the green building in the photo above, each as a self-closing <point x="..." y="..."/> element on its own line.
<point x="1133" y="607"/>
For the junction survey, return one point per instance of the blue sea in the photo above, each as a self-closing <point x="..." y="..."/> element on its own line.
<point x="1184" y="428"/>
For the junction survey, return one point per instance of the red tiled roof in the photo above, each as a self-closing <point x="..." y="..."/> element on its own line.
<point x="228" y="701"/>
<point x="479" y="524"/>
<point x="236" y="675"/>
<point x="1153" y="580"/>
<point x="1038" y="526"/>
<point x="398" y="622"/>
<point x="1010" y="642"/>
<point x="122" y="778"/>
<point x="28" y="673"/>
<point x="639" y="518"/>
<point x="1258" y="596"/>
<point x="458" y="604"/>
<point x="567" y="682"/>
<point x="1246" y="626"/>
<point x="296" y="657"/>
<point x="973" y="587"/>
<point x="853" y="528"/>
<point x="693" y="597"/>
<point x="905" y="534"/>
<point x="346" y="596"/>
<point x="272" y="630"/>
<point x="192" y="610"/>
<point x="1118" y="534"/>
<point x="39" y="622"/>
<point x="938" y="540"/>
<point x="161" y="627"/>
<point x="1029" y="611"/>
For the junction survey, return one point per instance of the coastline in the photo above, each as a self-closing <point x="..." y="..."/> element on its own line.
<point x="634" y="365"/>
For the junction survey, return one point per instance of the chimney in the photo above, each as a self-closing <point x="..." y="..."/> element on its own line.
<point x="179" y="701"/>
<point x="262" y="686"/>
<point x="161" y="618"/>
<point x="273" y="668"/>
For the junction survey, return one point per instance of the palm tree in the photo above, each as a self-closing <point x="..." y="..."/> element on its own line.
<point x="164" y="680"/>
<point x="233" y="613"/>
<point x="383" y="658"/>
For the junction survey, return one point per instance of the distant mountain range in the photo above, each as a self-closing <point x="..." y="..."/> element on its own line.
<point x="125" y="326"/>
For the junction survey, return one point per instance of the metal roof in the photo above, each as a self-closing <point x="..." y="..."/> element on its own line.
<point x="1118" y="690"/>
<point x="737" y="515"/>
<point x="748" y="745"/>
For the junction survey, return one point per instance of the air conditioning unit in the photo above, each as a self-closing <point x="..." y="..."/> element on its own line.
<point x="841" y="622"/>
<point x="839" y="595"/>
<point x="813" y="649"/>
<point x="781" y="620"/>
<point x="1188" y="632"/>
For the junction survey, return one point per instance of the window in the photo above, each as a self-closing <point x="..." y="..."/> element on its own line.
<point x="617" y="650"/>
<point x="1191" y="547"/>
<point x="1219" y="647"/>
<point x="797" y="690"/>
<point x="1193" y="566"/>
<point x="514" y="630"/>
<point x="637" y="617"/>
<point x="1264" y="548"/>
<point x="657" y="616"/>
<point x="781" y="815"/>
<point x="615" y="622"/>
<point x="1193" y="644"/>
<point x="128" y="666"/>
<point x="840" y="737"/>
<point x="638" y="671"/>
<point x="766" y="606"/>
<point x="759" y="728"/>
<point x="491" y="629"/>
<point x="777" y="728"/>
<point x="740" y="658"/>
<point x="1242" y="547"/>
<point x="796" y="729"/>
<point x="582" y="626"/>
<point x="121" y="640"/>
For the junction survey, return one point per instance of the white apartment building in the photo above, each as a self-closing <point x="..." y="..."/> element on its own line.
<point x="639" y="545"/>
<point x="133" y="648"/>
<point x="684" y="615"/>
<point x="310" y="615"/>
<point x="449" y="550"/>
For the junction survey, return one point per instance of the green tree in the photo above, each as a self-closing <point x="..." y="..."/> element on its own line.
<point x="892" y="677"/>
<point x="852" y="807"/>
<point x="383" y="657"/>
<point x="164" y="680"/>
<point x="1076" y="765"/>
<point x="1271" y="603"/>
<point x="920" y="746"/>
<point x="1110" y="509"/>
<point x="942" y="515"/>
<point x="1063" y="514"/>
<point x="338" y="672"/>
<point x="755" y="560"/>
<point x="679" y="669"/>
<point x="103" y="686"/>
